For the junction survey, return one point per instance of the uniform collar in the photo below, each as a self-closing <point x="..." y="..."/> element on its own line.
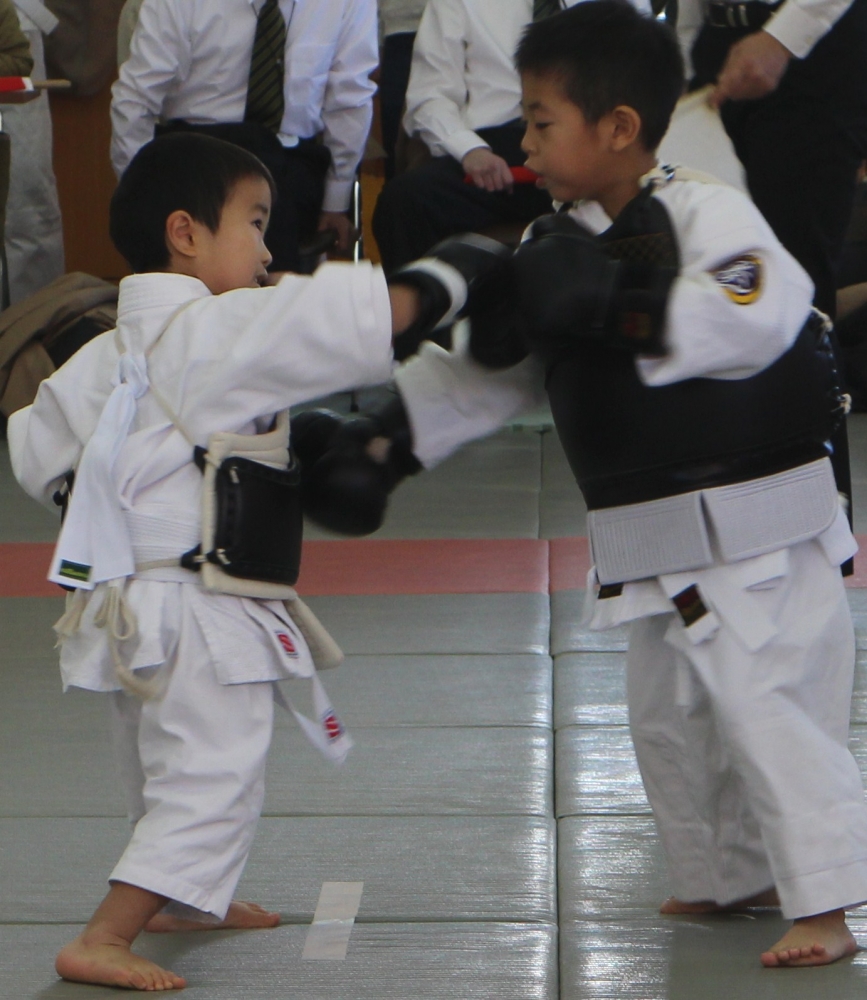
<point x="156" y="290"/>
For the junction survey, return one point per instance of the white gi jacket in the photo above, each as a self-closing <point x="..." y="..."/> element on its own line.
<point x="225" y="363"/>
<point x="712" y="330"/>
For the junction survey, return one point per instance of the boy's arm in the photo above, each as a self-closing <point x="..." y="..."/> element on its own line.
<point x="740" y="299"/>
<point x="444" y="399"/>
<point x="145" y="79"/>
<point x="347" y="109"/>
<point x="42" y="447"/>
<point x="436" y="93"/>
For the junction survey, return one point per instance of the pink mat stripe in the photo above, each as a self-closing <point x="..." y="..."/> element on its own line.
<point x="474" y="566"/>
<point x="435" y="566"/>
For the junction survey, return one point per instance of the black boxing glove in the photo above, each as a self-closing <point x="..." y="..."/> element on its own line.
<point x="350" y="465"/>
<point x="454" y="279"/>
<point x="570" y="290"/>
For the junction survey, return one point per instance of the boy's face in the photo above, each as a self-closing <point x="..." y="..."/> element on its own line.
<point x="569" y="152"/>
<point x="236" y="256"/>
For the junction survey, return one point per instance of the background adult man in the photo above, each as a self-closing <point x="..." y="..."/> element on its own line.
<point x="190" y="65"/>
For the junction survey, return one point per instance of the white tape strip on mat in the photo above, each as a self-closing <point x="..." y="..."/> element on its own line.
<point x="328" y="937"/>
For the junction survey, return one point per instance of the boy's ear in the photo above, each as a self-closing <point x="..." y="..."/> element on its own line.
<point x="181" y="233"/>
<point x="624" y="127"/>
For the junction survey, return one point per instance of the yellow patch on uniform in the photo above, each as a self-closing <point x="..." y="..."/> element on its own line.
<point x="741" y="278"/>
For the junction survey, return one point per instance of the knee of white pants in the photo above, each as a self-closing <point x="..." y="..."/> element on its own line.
<point x="124" y="716"/>
<point x="203" y="747"/>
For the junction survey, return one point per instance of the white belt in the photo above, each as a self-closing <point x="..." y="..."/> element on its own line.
<point x="681" y="533"/>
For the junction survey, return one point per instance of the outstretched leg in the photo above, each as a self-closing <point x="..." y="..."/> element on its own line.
<point x="102" y="953"/>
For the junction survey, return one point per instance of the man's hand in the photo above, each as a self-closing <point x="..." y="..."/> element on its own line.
<point x="754" y="67"/>
<point x="488" y="170"/>
<point x="339" y="222"/>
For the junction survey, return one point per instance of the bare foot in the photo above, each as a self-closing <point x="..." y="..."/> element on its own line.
<point x="816" y="940"/>
<point x="241" y="916"/>
<point x="107" y="961"/>
<point x="675" y="906"/>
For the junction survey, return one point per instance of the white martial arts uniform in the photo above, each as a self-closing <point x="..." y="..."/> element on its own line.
<point x="740" y="720"/>
<point x="193" y="758"/>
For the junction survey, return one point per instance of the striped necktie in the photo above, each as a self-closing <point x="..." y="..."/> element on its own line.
<point x="265" y="101"/>
<point x="545" y="8"/>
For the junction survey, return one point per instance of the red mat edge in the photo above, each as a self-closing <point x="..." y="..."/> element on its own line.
<point x="394" y="566"/>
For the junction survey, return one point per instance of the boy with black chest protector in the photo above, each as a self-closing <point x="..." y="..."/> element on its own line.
<point x="694" y="393"/>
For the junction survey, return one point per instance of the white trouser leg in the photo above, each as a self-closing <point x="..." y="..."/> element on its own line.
<point x="710" y="838"/>
<point x="201" y="748"/>
<point x="782" y="717"/>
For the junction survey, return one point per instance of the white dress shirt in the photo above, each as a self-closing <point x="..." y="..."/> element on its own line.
<point x="190" y="59"/>
<point x="798" y="24"/>
<point x="463" y="74"/>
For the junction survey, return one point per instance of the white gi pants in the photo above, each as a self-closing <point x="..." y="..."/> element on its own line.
<point x="192" y="761"/>
<point x="744" y="755"/>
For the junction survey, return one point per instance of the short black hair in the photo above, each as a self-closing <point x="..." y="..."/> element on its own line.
<point x="179" y="170"/>
<point x="606" y="53"/>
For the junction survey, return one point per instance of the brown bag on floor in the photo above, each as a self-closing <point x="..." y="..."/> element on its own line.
<point x="41" y="332"/>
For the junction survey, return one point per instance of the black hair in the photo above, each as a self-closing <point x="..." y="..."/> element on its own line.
<point x="606" y="53"/>
<point x="180" y="170"/>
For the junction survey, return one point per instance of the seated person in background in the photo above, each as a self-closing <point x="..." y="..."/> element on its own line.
<point x="464" y="102"/>
<point x="306" y="112"/>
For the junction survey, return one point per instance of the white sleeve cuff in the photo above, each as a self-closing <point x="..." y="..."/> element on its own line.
<point x="458" y="144"/>
<point x="338" y="195"/>
<point x="797" y="29"/>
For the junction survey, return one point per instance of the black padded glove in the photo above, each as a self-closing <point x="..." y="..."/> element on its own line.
<point x="570" y="290"/>
<point x="344" y="488"/>
<point x="454" y="278"/>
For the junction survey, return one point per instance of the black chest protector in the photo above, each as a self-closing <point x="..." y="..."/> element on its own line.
<point x="628" y="443"/>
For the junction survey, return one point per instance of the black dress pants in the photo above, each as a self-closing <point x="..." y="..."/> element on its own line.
<point x="419" y="208"/>
<point x="394" y="67"/>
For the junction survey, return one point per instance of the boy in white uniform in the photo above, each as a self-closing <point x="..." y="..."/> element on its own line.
<point x="202" y="349"/>
<point x="693" y="395"/>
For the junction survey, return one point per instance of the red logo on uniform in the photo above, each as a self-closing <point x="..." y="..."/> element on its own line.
<point x="331" y="725"/>
<point x="287" y="643"/>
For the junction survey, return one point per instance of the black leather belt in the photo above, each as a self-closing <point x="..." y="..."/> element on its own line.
<point x="752" y="14"/>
